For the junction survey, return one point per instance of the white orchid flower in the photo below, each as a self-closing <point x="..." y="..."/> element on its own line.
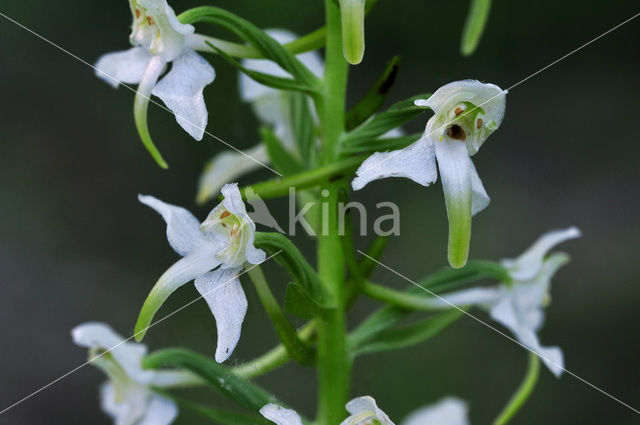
<point x="465" y="114"/>
<point x="271" y="106"/>
<point x="214" y="253"/>
<point x="128" y="396"/>
<point x="519" y="305"/>
<point x="448" y="411"/>
<point x="159" y="39"/>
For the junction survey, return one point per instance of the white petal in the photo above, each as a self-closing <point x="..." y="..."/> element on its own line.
<point x="484" y="297"/>
<point x="280" y="415"/>
<point x="183" y="229"/>
<point x="234" y="204"/>
<point x="491" y="98"/>
<point x="250" y="90"/>
<point x="552" y="357"/>
<point x="456" y="168"/>
<point x="448" y="411"/>
<point x="126" y="66"/>
<point x="227" y="167"/>
<point x="128" y="408"/>
<point x="128" y="355"/>
<point x="181" y="90"/>
<point x="527" y="265"/>
<point x="415" y="162"/>
<point x="505" y="313"/>
<point x="226" y="299"/>
<point x="363" y="410"/>
<point x="161" y="411"/>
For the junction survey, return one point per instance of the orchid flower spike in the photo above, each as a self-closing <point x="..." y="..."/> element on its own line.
<point x="519" y="305"/>
<point x="128" y="397"/>
<point x="272" y="108"/>
<point x="465" y="114"/>
<point x="159" y="39"/>
<point x="214" y="253"/>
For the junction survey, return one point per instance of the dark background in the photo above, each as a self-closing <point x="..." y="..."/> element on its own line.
<point x="75" y="245"/>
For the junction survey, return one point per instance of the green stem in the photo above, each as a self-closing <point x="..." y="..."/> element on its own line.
<point x="400" y="299"/>
<point x="334" y="366"/>
<point x="305" y="180"/>
<point x="296" y="348"/>
<point x="522" y="393"/>
<point x="272" y="359"/>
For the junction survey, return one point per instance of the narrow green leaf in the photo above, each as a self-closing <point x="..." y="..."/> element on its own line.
<point x="375" y="97"/>
<point x="296" y="265"/>
<point x="281" y="159"/>
<point x="303" y="127"/>
<point x="374" y="252"/>
<point x="216" y="376"/>
<point x="260" y="40"/>
<point x="297" y="349"/>
<point x="394" y="117"/>
<point x="279" y="83"/>
<point x="298" y="302"/>
<point x="474" y="26"/>
<point x="408" y="335"/>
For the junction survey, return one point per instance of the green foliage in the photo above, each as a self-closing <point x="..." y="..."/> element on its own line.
<point x="260" y="40"/>
<point x="375" y="97"/>
<point x="399" y="114"/>
<point x="216" y="376"/>
<point x="408" y="335"/>
<point x="297" y="266"/>
<point x="297" y="349"/>
<point x="281" y="158"/>
<point x="303" y="127"/>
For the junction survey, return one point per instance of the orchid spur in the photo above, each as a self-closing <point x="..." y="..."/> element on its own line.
<point x="365" y="411"/>
<point x="518" y="305"/>
<point x="214" y="253"/>
<point x="159" y="38"/>
<point x="128" y="397"/>
<point x="466" y="113"/>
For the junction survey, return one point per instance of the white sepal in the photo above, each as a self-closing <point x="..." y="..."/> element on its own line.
<point x="127" y="66"/>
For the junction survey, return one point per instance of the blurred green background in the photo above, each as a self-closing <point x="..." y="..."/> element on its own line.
<point x="75" y="245"/>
